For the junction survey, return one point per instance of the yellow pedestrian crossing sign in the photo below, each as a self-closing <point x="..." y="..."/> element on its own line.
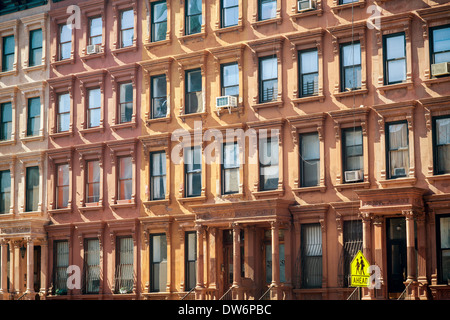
<point x="359" y="271"/>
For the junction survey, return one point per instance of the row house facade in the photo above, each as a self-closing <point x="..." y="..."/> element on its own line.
<point x="328" y="132"/>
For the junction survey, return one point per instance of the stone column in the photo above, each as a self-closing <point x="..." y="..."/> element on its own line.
<point x="379" y="235"/>
<point x="237" y="281"/>
<point x="411" y="253"/>
<point x="213" y="261"/>
<point x="200" y="264"/>
<point x="16" y="266"/>
<point x="44" y="268"/>
<point x="30" y="266"/>
<point x="275" y="228"/>
<point x="4" y="270"/>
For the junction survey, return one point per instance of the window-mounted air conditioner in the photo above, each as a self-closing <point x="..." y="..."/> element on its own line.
<point x="399" y="172"/>
<point x="226" y="102"/>
<point x="440" y="69"/>
<point x="305" y="5"/>
<point x="93" y="48"/>
<point x="352" y="176"/>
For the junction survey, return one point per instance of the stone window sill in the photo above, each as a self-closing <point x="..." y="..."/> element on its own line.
<point x="261" y="23"/>
<point x="126" y="125"/>
<point x="195" y="36"/>
<point x="34" y="68"/>
<point x="319" y="98"/>
<point x="303" y="14"/>
<point x="60" y="211"/>
<point x="345" y="94"/>
<point x="309" y="189"/>
<point x="237" y="28"/>
<point x="149" y="122"/>
<point x="397" y="86"/>
<point x="265" y="105"/>
<point x="433" y="81"/>
<point x="150" y="45"/>
<point x="270" y="193"/>
<point x="438" y="177"/>
<point x="340" y="7"/>
<point x="398" y="181"/>
<point x="192" y="199"/>
<point x="150" y="203"/>
<point x="126" y="49"/>
<point x="356" y="185"/>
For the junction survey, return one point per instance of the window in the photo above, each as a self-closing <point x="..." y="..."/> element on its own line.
<point x="309" y="73"/>
<point x="309" y="160"/>
<point x="32" y="189"/>
<point x="60" y="265"/>
<point x="65" y="42"/>
<point x="159" y="21"/>
<point x="159" y="97"/>
<point x="267" y="9"/>
<point x="158" y="175"/>
<point x="268" y="79"/>
<point x="311" y="251"/>
<point x="93" y="181"/>
<point x="63" y="115"/>
<point x="193" y="16"/>
<point x="352" y="234"/>
<point x="94" y="108"/>
<point x="126" y="28"/>
<point x="125" y="183"/>
<point x="35" y="47"/>
<point x="229" y="13"/>
<point x="5" y="191"/>
<point x="398" y="150"/>
<point x="230" y="79"/>
<point x="190" y="260"/>
<point x="350" y="66"/>
<point x="440" y="44"/>
<point x="194" y="94"/>
<point x="124" y="265"/>
<point x="443" y="244"/>
<point x="394" y="58"/>
<point x="230" y="168"/>
<point x="268" y="164"/>
<point x="193" y="171"/>
<point x="158" y="263"/>
<point x="95" y="31"/>
<point x="5" y="121"/>
<point x="92" y="266"/>
<point x="8" y="53"/>
<point x="352" y="150"/>
<point x="441" y="139"/>
<point x="62" y="186"/>
<point x="126" y="102"/>
<point x="347" y="1"/>
<point x="34" y="115"/>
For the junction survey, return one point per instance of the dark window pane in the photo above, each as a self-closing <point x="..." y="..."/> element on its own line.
<point x="5" y="191"/>
<point x="34" y="110"/>
<point x="32" y="188"/>
<point x="6" y="121"/>
<point x="309" y="160"/>
<point x="267" y="9"/>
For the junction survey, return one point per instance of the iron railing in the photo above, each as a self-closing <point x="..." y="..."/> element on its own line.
<point x="405" y="295"/>
<point x="228" y="295"/>
<point x="266" y="294"/>
<point x="189" y="295"/>
<point x="355" y="295"/>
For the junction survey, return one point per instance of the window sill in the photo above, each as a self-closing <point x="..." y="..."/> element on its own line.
<point x="221" y="111"/>
<point x="355" y="185"/>
<point x="397" y="86"/>
<point x="61" y="134"/>
<point x="150" y="203"/>
<point x="123" y="50"/>
<point x="120" y="204"/>
<point x="7" y="142"/>
<point x="126" y="125"/>
<point x="150" y="45"/>
<point x="6" y="216"/>
<point x="30" y="214"/>
<point x="230" y="196"/>
<point x="261" y="23"/>
<point x="34" y="68"/>
<point x="91" y="207"/>
<point x="340" y="7"/>
<point x="193" y="115"/>
<point x="319" y="98"/>
<point x="149" y="122"/>
<point x="92" y="130"/>
<point x="298" y="191"/>
<point x="265" y="105"/>
<point x="237" y="28"/>
<point x="192" y="199"/>
<point x="93" y="56"/>
<point x="351" y="93"/>
<point x="63" y="62"/>
<point x="60" y="211"/>
<point x="32" y="138"/>
<point x="398" y="181"/>
<point x="190" y="37"/>
<point x="433" y="81"/>
<point x="303" y="14"/>
<point x="271" y="193"/>
<point x="438" y="177"/>
<point x="8" y="73"/>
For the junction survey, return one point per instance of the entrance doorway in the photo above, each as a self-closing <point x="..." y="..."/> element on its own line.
<point x="37" y="269"/>
<point x="396" y="255"/>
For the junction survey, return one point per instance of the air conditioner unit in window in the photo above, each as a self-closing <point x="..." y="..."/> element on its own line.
<point x="305" y="5"/>
<point x="399" y="172"/>
<point x="440" y="69"/>
<point x="226" y="102"/>
<point x="93" y="48"/>
<point x="352" y="176"/>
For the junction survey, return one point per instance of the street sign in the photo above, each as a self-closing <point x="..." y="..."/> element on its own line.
<point x="359" y="271"/>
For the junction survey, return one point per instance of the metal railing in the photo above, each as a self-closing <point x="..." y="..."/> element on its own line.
<point x="228" y="295"/>
<point x="23" y="295"/>
<point x="355" y="295"/>
<point x="405" y="295"/>
<point x="266" y="294"/>
<point x="189" y="296"/>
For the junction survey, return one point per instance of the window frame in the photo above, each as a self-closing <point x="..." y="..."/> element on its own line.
<point x="89" y="109"/>
<point x="59" y="113"/>
<point x="432" y="52"/>
<point x="89" y="183"/>
<point x="31" y="62"/>
<point x="262" y="165"/>
<point x="388" y="149"/>
<point x="187" y="17"/>
<point x="89" y="31"/>
<point x="302" y="161"/>
<point x="153" y="263"/>
<point x="7" y="209"/>
<point x="33" y="189"/>
<point x="153" y="98"/>
<point x="58" y="186"/>
<point x="118" y="263"/>
<point x="261" y="81"/>
<point x="305" y="257"/>
<point x="187" y="261"/>
<point x="122" y="103"/>
<point x="439" y="249"/>
<point x="386" y="60"/>
<point x="223" y="170"/>
<point x="353" y="66"/>
<point x="222" y="87"/>
<point x="29" y="130"/>
<point x="300" y="74"/>
<point x="187" y="173"/>
<point x="122" y="30"/>
<point x="435" y="145"/>
<point x="152" y="37"/>
<point x="62" y="268"/>
<point x="187" y="92"/>
<point x="161" y="176"/>
<point x="344" y="151"/>
<point x="222" y="15"/>
<point x="5" y="55"/>
<point x="86" y="267"/>
<point x="260" y="3"/>
<point x="8" y="136"/>
<point x="60" y="43"/>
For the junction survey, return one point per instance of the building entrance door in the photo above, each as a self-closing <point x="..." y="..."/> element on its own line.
<point x="37" y="269"/>
<point x="396" y="255"/>
<point x="227" y="259"/>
